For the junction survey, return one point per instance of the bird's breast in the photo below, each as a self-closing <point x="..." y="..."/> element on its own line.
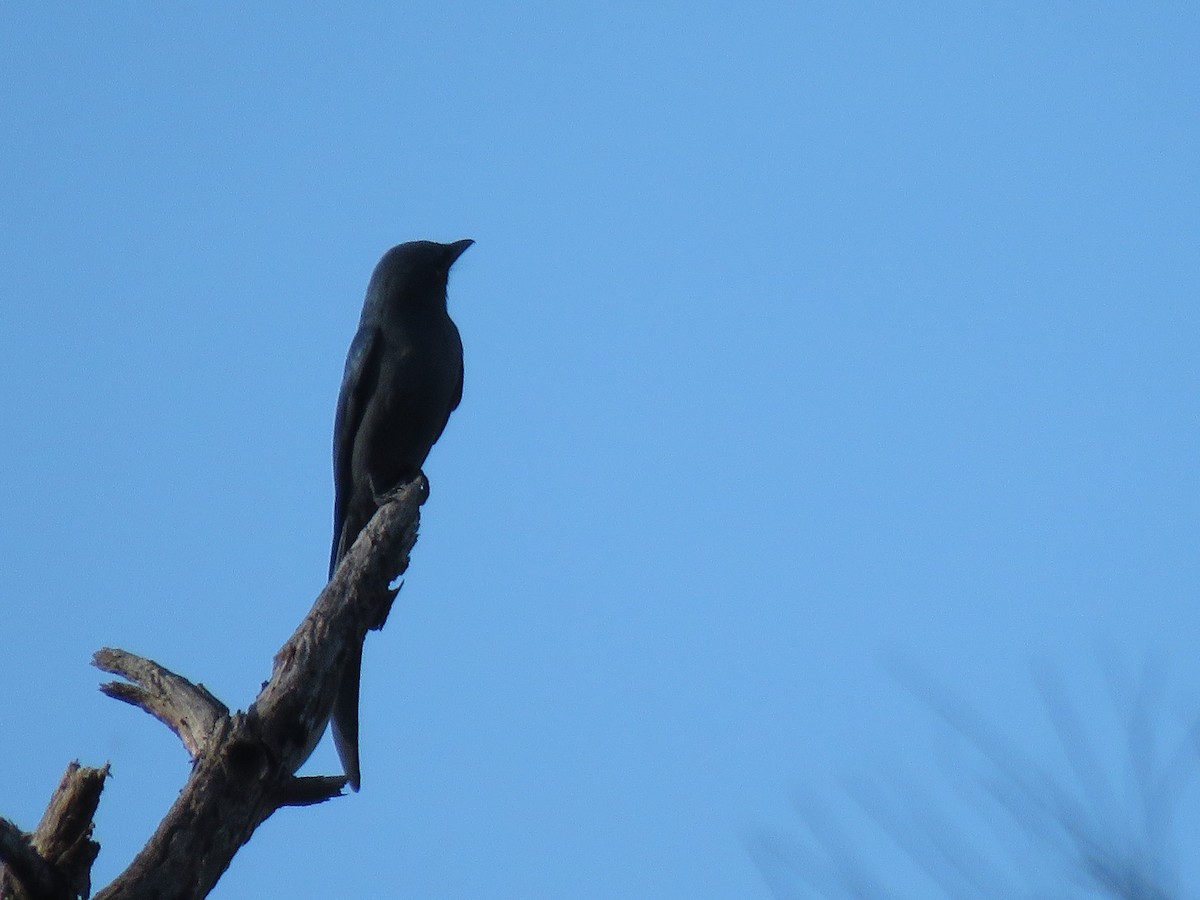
<point x="419" y="378"/>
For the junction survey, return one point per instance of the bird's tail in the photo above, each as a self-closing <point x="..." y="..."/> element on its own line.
<point x="335" y="554"/>
<point x="345" y="705"/>
<point x="345" y="718"/>
<point x="339" y="544"/>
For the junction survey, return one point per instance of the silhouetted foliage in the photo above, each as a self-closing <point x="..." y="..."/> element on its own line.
<point x="1001" y="821"/>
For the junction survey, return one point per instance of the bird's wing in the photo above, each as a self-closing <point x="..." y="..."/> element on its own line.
<point x="457" y="396"/>
<point x="358" y="384"/>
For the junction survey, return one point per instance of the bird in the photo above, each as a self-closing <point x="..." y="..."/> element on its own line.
<point x="403" y="378"/>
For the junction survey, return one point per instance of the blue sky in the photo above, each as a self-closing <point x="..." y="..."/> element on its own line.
<point x="799" y="338"/>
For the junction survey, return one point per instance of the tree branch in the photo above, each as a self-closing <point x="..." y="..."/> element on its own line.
<point x="187" y="709"/>
<point x="244" y="763"/>
<point x="310" y="790"/>
<point x="56" y="860"/>
<point x="25" y="866"/>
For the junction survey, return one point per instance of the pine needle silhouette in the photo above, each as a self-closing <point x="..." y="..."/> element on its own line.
<point x="1102" y="823"/>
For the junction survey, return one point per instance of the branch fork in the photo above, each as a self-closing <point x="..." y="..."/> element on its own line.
<point x="244" y="763"/>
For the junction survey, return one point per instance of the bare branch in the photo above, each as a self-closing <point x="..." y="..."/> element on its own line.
<point x="187" y="709"/>
<point x="245" y="764"/>
<point x="311" y="790"/>
<point x="55" y="861"/>
<point x="25" y="874"/>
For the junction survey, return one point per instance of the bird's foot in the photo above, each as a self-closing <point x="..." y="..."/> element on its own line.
<point x="422" y="486"/>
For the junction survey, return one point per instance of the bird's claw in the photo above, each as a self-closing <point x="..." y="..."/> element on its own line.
<point x="383" y="497"/>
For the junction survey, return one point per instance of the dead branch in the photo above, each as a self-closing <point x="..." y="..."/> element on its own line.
<point x="56" y="859"/>
<point x="187" y="709"/>
<point x="244" y="764"/>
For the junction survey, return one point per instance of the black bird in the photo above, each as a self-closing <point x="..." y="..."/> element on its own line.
<point x="404" y="376"/>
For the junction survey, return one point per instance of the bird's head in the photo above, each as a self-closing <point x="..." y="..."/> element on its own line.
<point x="416" y="272"/>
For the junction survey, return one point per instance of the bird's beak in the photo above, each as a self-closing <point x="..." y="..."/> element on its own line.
<point x="455" y="250"/>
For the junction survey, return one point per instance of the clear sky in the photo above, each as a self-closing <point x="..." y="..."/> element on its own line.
<point x="801" y="339"/>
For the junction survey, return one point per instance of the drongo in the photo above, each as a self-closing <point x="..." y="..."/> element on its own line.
<point x="404" y="376"/>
